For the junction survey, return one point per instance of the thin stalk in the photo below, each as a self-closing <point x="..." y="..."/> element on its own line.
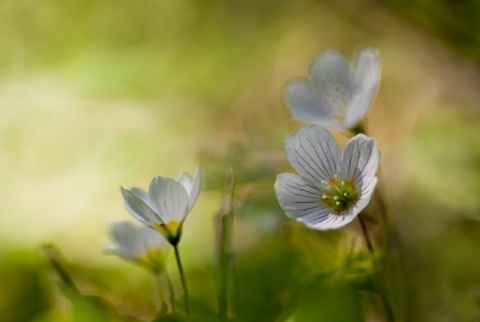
<point x="363" y="128"/>
<point x="380" y="199"/>
<point x="224" y="225"/>
<point x="170" y="290"/>
<point x="161" y="295"/>
<point x="53" y="256"/>
<point x="366" y="235"/>
<point x="376" y="269"/>
<point x="183" y="280"/>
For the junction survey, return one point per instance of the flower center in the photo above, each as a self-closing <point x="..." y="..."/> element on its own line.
<point x="152" y="259"/>
<point x="339" y="195"/>
<point x="338" y="98"/>
<point x="170" y="231"/>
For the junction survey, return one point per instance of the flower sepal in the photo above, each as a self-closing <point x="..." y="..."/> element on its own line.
<point x="358" y="129"/>
<point x="172" y="231"/>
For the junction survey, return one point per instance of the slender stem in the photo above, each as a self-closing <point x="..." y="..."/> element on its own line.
<point x="366" y="235"/>
<point x="376" y="269"/>
<point x="381" y="200"/>
<point x="224" y="225"/>
<point x="161" y="296"/>
<point x="362" y="128"/>
<point x="53" y="256"/>
<point x="184" y="281"/>
<point x="170" y="290"/>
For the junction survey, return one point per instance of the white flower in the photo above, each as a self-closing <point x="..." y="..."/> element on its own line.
<point x="166" y="204"/>
<point x="336" y="94"/>
<point x="142" y="245"/>
<point x="332" y="186"/>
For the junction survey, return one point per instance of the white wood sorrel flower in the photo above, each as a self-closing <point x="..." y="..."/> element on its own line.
<point x="332" y="186"/>
<point x="141" y="245"/>
<point x="336" y="94"/>
<point x="166" y="204"/>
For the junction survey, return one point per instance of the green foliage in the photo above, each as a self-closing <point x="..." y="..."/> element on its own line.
<point x="24" y="294"/>
<point x="456" y="22"/>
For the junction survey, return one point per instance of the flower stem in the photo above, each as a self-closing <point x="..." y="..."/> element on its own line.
<point x="366" y="235"/>
<point x="184" y="281"/>
<point x="54" y="257"/>
<point x="161" y="295"/>
<point x="159" y="274"/>
<point x="376" y="269"/>
<point x="170" y="290"/>
<point x="224" y="225"/>
<point x="381" y="200"/>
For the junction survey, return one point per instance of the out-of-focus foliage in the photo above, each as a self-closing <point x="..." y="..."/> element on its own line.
<point x="457" y="22"/>
<point x="98" y="94"/>
<point x="24" y="292"/>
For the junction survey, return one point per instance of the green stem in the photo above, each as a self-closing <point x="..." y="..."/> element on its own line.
<point x="161" y="297"/>
<point x="183" y="280"/>
<point x="170" y="290"/>
<point x="224" y="225"/>
<point x="53" y="256"/>
<point x="380" y="199"/>
<point x="376" y="269"/>
<point x="366" y="234"/>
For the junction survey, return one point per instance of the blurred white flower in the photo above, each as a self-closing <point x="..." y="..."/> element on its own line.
<point x="141" y="245"/>
<point x="166" y="204"/>
<point x="332" y="186"/>
<point x="336" y="94"/>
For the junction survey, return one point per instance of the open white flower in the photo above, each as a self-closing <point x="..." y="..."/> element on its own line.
<point x="166" y="204"/>
<point x="141" y="245"/>
<point x="336" y="94"/>
<point x="332" y="186"/>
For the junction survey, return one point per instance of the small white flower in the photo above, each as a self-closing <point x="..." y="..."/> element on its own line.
<point x="336" y="94"/>
<point x="141" y="245"/>
<point x="166" y="204"/>
<point x="332" y="186"/>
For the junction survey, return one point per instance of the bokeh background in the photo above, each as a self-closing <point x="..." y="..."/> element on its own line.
<point x="98" y="94"/>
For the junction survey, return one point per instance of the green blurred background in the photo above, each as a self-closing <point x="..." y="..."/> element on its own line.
<point x="98" y="94"/>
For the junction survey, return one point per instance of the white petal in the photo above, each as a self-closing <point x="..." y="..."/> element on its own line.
<point x="124" y="233"/>
<point x="366" y="79"/>
<point x="121" y="252"/>
<point x="186" y="180"/>
<point x="152" y="239"/>
<point x="360" y="160"/>
<point x="330" y="68"/>
<point x="313" y="152"/>
<point x="297" y="197"/>
<point x="366" y="195"/>
<point x="192" y="186"/>
<point x="138" y="208"/>
<point x="168" y="198"/>
<point x="307" y="106"/>
<point x="332" y="221"/>
<point x="140" y="193"/>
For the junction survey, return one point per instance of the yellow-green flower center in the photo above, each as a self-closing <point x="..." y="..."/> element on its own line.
<point x="152" y="259"/>
<point x="339" y="195"/>
<point x="171" y="231"/>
